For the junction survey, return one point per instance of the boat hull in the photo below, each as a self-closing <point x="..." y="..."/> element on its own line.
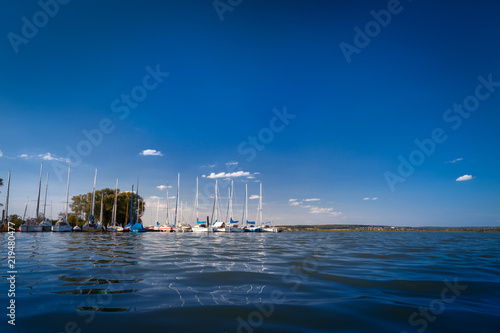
<point x="62" y="228"/>
<point x="30" y="228"/>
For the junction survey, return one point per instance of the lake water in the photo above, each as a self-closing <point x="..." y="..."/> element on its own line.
<point x="252" y="282"/>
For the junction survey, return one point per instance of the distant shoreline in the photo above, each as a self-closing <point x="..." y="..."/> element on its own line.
<point x="373" y="228"/>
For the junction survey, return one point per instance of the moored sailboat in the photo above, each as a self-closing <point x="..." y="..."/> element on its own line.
<point x="201" y="226"/>
<point x="62" y="224"/>
<point x="114" y="226"/>
<point x="46" y="225"/>
<point x="250" y="225"/>
<point x="167" y="227"/>
<point x="32" y="225"/>
<point x="92" y="225"/>
<point x="233" y="225"/>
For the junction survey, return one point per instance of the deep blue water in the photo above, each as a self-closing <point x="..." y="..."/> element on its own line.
<point x="286" y="282"/>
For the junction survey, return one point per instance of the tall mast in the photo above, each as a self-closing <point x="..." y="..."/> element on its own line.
<point x="115" y="203"/>
<point x="39" y="189"/>
<point x="67" y="193"/>
<point x="180" y="220"/>
<point x="168" y="206"/>
<point x="216" y="203"/>
<point x="7" y="200"/>
<point x="102" y="207"/>
<point x="228" y="203"/>
<point x="46" y="190"/>
<point x="93" y="196"/>
<point x="26" y="208"/>
<point x="131" y="206"/>
<point x="158" y="209"/>
<point x="137" y="199"/>
<point x="246" y="201"/>
<point x="260" y="204"/>
<point x="196" y="201"/>
<point x="231" y="200"/>
<point x="177" y="199"/>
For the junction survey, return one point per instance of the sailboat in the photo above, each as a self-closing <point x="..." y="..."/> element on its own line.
<point x="167" y="227"/>
<point x="131" y="222"/>
<point x="180" y="226"/>
<point x="218" y="226"/>
<point x="113" y="226"/>
<point x="32" y="224"/>
<point x="250" y="227"/>
<point x="62" y="224"/>
<point x="201" y="226"/>
<point x="92" y="225"/>
<point x="233" y="225"/>
<point x="4" y="225"/>
<point x="46" y="225"/>
<point x="137" y="226"/>
<point x="264" y="226"/>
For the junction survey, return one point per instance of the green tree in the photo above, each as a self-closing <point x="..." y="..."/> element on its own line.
<point x="16" y="219"/>
<point x="81" y="205"/>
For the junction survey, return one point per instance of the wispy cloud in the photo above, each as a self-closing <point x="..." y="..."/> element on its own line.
<point x="236" y="174"/>
<point x="162" y="187"/>
<point x="151" y="152"/>
<point x="311" y="208"/>
<point x="374" y="198"/>
<point x="1" y="153"/>
<point x="50" y="157"/>
<point x="455" y="160"/>
<point x="232" y="163"/>
<point x="464" y="178"/>
<point x="23" y="156"/>
<point x="254" y="196"/>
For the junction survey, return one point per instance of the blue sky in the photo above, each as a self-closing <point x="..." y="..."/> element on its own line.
<point x="266" y="94"/>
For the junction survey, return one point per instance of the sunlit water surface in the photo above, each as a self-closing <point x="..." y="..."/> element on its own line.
<point x="252" y="282"/>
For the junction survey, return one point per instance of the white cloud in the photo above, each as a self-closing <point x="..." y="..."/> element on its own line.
<point x="151" y="152"/>
<point x="292" y="200"/>
<point x="313" y="199"/>
<point x="464" y="178"/>
<point x="318" y="210"/>
<point x="50" y="157"/>
<point x="1" y="153"/>
<point x="162" y="187"/>
<point x="374" y="198"/>
<point x="154" y="197"/>
<point x="336" y="213"/>
<point x="24" y="156"/>
<point x="232" y="163"/>
<point x="254" y="196"/>
<point x="214" y="175"/>
<point x="294" y="203"/>
<point x="455" y="160"/>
